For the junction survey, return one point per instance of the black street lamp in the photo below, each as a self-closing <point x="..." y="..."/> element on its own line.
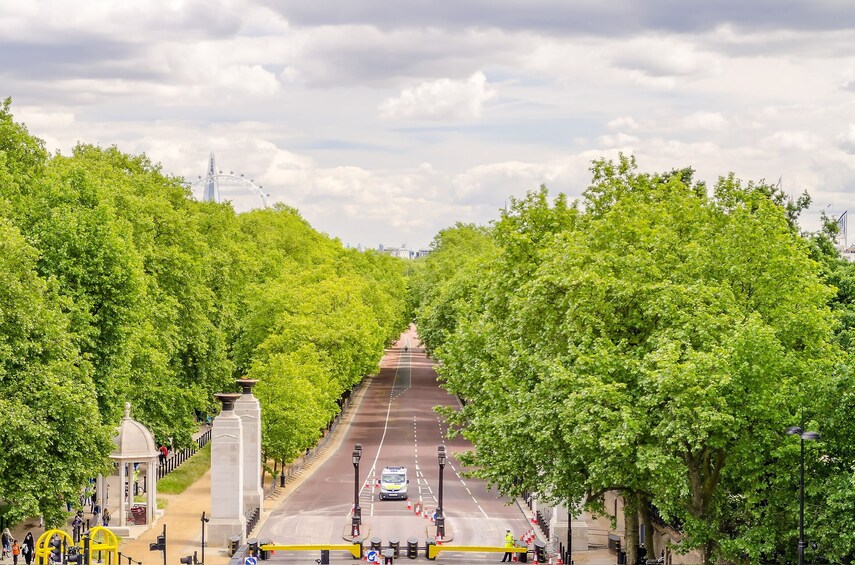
<point x="205" y="520"/>
<point x="809" y="436"/>
<point x="569" y="536"/>
<point x="440" y="517"/>
<point x="357" y="511"/>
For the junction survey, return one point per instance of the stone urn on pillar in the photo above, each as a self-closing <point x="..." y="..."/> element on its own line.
<point x="227" y="509"/>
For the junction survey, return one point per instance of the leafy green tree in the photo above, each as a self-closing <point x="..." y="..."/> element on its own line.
<point x="53" y="439"/>
<point x="653" y="340"/>
<point x="126" y="289"/>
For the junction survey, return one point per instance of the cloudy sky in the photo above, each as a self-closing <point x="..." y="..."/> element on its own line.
<point x="384" y="121"/>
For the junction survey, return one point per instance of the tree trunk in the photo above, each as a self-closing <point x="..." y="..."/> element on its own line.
<point x="630" y="516"/>
<point x="644" y="510"/>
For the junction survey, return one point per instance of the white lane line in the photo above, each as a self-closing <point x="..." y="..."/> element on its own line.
<point x="382" y="439"/>
<point x="482" y="511"/>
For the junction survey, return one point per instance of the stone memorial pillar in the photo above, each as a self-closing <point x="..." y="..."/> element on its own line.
<point x="227" y="517"/>
<point x="249" y="410"/>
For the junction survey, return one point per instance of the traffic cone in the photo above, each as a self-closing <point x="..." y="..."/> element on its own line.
<point x="409" y="506"/>
<point x="560" y="561"/>
<point x="438" y="539"/>
<point x="514" y="557"/>
<point x="534" y="520"/>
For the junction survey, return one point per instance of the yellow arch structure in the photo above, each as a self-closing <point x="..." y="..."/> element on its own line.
<point x="100" y="539"/>
<point x="103" y="539"/>
<point x="43" y="545"/>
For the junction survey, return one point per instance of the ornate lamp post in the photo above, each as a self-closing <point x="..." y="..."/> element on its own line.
<point x="357" y="511"/>
<point x="809" y="436"/>
<point x="440" y="517"/>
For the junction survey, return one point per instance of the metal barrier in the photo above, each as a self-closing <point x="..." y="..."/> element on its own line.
<point x="352" y="548"/>
<point x="433" y="550"/>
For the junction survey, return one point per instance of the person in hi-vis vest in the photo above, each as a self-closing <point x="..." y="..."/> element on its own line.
<point x="509" y="542"/>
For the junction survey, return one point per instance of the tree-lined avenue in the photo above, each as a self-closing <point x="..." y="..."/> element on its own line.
<point x="396" y="425"/>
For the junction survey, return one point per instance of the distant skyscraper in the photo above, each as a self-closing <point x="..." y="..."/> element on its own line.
<point x="212" y="187"/>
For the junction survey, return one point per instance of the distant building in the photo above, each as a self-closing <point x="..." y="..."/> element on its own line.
<point x="403" y="251"/>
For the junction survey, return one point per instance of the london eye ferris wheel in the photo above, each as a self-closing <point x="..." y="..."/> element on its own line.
<point x="210" y="184"/>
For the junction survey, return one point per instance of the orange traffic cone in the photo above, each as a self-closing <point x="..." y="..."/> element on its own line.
<point x="409" y="506"/>
<point x="514" y="557"/>
<point x="534" y="520"/>
<point x="438" y="539"/>
<point x="560" y="561"/>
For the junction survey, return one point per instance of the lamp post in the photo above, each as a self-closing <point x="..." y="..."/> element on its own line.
<point x="569" y="536"/>
<point x="357" y="511"/>
<point x="205" y="520"/>
<point x="809" y="436"/>
<point x="440" y="517"/>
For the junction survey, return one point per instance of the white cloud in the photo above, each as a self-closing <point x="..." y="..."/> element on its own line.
<point x="801" y="140"/>
<point x="293" y="101"/>
<point x="847" y="140"/>
<point x="659" y="57"/>
<point x="705" y="121"/>
<point x="623" y="122"/>
<point x="440" y="100"/>
<point x="619" y="140"/>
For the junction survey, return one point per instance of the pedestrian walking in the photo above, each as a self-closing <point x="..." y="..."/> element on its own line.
<point x="509" y="542"/>
<point x="96" y="512"/>
<point x="28" y="548"/>
<point x="6" y="540"/>
<point x="16" y="551"/>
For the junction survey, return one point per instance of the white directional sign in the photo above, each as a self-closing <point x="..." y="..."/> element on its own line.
<point x="372" y="557"/>
<point x="250" y="561"/>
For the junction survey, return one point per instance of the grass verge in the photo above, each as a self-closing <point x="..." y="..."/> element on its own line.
<point x="188" y="473"/>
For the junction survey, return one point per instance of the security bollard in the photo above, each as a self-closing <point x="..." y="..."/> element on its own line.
<point x="522" y="556"/>
<point x="388" y="556"/>
<point x="376" y="543"/>
<point x="253" y="547"/>
<point x="263" y="554"/>
<point x="429" y="542"/>
<point x="358" y="541"/>
<point x="540" y="551"/>
<point x="234" y="543"/>
<point x="412" y="548"/>
<point x="395" y="545"/>
<point x="325" y="557"/>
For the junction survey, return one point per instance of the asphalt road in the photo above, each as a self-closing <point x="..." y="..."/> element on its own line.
<point x="396" y="425"/>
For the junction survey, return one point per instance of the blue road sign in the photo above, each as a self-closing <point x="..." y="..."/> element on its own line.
<point x="372" y="556"/>
<point x="250" y="561"/>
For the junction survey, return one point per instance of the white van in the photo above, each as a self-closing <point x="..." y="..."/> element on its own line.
<point x="393" y="483"/>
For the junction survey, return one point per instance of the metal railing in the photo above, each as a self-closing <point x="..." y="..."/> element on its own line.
<point x="543" y="524"/>
<point x="176" y="458"/>
<point x="298" y="464"/>
<point x="252" y="518"/>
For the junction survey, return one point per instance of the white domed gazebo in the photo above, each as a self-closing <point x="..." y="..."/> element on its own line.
<point x="134" y="445"/>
